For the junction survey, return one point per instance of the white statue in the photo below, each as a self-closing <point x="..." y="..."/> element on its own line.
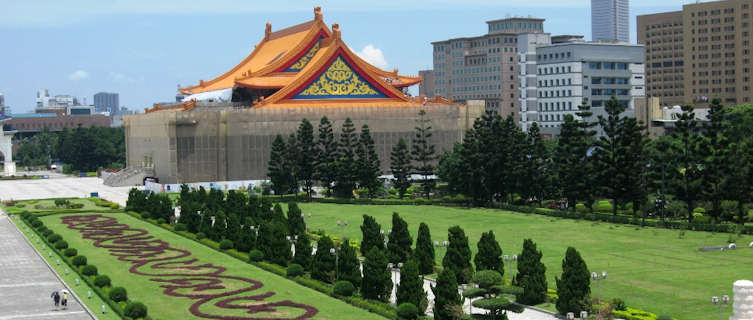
<point x="743" y="300"/>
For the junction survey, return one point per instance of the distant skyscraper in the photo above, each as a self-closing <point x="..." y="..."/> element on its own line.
<point x="106" y="102"/>
<point x="610" y="20"/>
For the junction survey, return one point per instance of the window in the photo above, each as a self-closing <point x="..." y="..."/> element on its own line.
<point x="594" y="65"/>
<point x="595" y="80"/>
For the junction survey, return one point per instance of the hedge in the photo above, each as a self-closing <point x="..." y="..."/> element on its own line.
<point x="89" y="270"/>
<point x="102" y="281"/>
<point x="118" y="294"/>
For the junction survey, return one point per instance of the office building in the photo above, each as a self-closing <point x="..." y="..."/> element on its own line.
<point x="484" y="67"/>
<point x="527" y="45"/>
<point x="426" y="87"/>
<point x="610" y="20"/>
<point x="570" y="73"/>
<point x="714" y="56"/>
<point x="106" y="102"/>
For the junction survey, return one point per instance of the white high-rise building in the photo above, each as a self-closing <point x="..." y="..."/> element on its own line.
<point x="610" y="20"/>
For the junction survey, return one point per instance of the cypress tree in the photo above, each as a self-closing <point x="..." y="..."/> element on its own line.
<point x="277" y="170"/>
<point x="411" y="287"/>
<point x="400" y="164"/>
<point x="346" y="174"/>
<point x="323" y="266"/>
<point x="189" y="215"/>
<point x="245" y="237"/>
<point x="368" y="162"/>
<point x="531" y="275"/>
<point x="458" y="256"/>
<point x="399" y="240"/>
<point x="291" y="156"/>
<point x="348" y="266"/>
<point x="303" y="252"/>
<point x="377" y="279"/>
<point x="489" y="254"/>
<point x="279" y="247"/>
<point x="574" y="288"/>
<point x="446" y="296"/>
<point x="277" y="214"/>
<point x="372" y="236"/>
<point x="296" y="225"/>
<point x="423" y="152"/>
<point x="326" y="154"/>
<point x="219" y="227"/>
<point x="306" y="157"/>
<point x="232" y="231"/>
<point x="424" y="252"/>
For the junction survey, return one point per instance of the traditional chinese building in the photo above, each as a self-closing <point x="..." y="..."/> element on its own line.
<point x="223" y="128"/>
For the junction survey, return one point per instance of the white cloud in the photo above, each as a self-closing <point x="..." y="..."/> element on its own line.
<point x="78" y="75"/>
<point x="373" y="55"/>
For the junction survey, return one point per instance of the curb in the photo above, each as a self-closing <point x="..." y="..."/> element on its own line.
<point x="80" y="302"/>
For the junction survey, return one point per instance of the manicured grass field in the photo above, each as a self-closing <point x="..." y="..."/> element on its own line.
<point x="162" y="306"/>
<point x="651" y="269"/>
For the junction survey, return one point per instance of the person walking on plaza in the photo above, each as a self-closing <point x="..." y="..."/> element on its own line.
<point x="55" y="298"/>
<point x="64" y="300"/>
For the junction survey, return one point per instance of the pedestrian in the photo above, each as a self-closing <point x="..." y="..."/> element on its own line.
<point x="64" y="300"/>
<point x="55" y="298"/>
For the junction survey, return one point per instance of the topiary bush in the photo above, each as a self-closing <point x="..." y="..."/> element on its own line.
<point x="256" y="255"/>
<point x="135" y="310"/>
<point x="102" y="281"/>
<point x="118" y="294"/>
<point x="61" y="244"/>
<point x="89" y="270"/>
<point x="36" y="224"/>
<point x="603" y="206"/>
<point x="344" y="288"/>
<point x="580" y="207"/>
<point x="146" y="215"/>
<point x="180" y="227"/>
<point x="79" y="261"/>
<point x="407" y="311"/>
<point x="70" y="252"/>
<point x="47" y="233"/>
<point x="54" y="238"/>
<point x="200" y="235"/>
<point x="294" y="270"/>
<point x="226" y="244"/>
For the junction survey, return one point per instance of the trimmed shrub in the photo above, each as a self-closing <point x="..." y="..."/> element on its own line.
<point x="135" y="310"/>
<point x="47" y="233"/>
<point x="102" y="281"/>
<point x="200" y="236"/>
<point x="180" y="227"/>
<point x="294" y="270"/>
<point x="701" y="219"/>
<point x="161" y="221"/>
<point x="226" y="244"/>
<point x="603" y="206"/>
<point x="70" y="252"/>
<point x="54" y="238"/>
<point x="118" y="294"/>
<point x="36" y="224"/>
<point x="89" y="270"/>
<point x="79" y="261"/>
<point x="146" y="215"/>
<point x="61" y="244"/>
<point x="42" y="229"/>
<point x="256" y="255"/>
<point x="580" y="207"/>
<point x="407" y="311"/>
<point x="344" y="288"/>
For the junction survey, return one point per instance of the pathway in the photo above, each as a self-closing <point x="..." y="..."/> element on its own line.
<point x="61" y="186"/>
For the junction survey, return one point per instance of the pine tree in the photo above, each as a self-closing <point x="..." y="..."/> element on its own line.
<point x="715" y="151"/>
<point x="574" y="165"/>
<point x="233" y="227"/>
<point x="458" y="256"/>
<point x="489" y="254"/>
<point x="411" y="286"/>
<point x="303" y="252"/>
<point x="296" y="225"/>
<point x="246" y="237"/>
<point x="368" y="162"/>
<point x="446" y="295"/>
<point x="423" y="152"/>
<point x="574" y="288"/>
<point x="323" y="266"/>
<point x="400" y="164"/>
<point x="399" y="240"/>
<point x="609" y="151"/>
<point x="346" y="175"/>
<point x="424" y="252"/>
<point x="686" y="176"/>
<point x="189" y="216"/>
<point x="377" y="279"/>
<point x="531" y="275"/>
<point x="277" y="214"/>
<point x="219" y="227"/>
<point x="372" y="235"/>
<point x="537" y="167"/>
<point x="278" y="171"/>
<point x="348" y="266"/>
<point x="280" y="253"/>
<point x="633" y="162"/>
<point x="306" y="158"/>
<point x="291" y="155"/>
<point x="326" y="154"/>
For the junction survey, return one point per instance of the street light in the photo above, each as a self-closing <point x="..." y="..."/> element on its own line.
<point x="584" y="314"/>
<point x="724" y="301"/>
<point x="598" y="277"/>
<point x="292" y="241"/>
<point x="255" y="229"/>
<point x="307" y="217"/>
<point x="337" y="271"/>
<point x="342" y="225"/>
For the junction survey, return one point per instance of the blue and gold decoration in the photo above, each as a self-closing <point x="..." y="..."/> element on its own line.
<point x="339" y="80"/>
<point x="304" y="60"/>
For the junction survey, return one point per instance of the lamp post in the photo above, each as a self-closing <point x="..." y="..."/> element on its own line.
<point x="292" y="241"/>
<point x="307" y="217"/>
<point x="509" y="260"/>
<point x="584" y="314"/>
<point x="333" y="252"/>
<point x="342" y="225"/>
<point x="440" y="246"/>
<point x="255" y="229"/>
<point x="598" y="277"/>
<point x="721" y="302"/>
<point x="385" y="235"/>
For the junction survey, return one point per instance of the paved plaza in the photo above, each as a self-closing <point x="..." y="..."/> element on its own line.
<point x="60" y="186"/>
<point x="26" y="282"/>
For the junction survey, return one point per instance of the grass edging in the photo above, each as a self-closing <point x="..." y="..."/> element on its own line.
<point x="380" y="308"/>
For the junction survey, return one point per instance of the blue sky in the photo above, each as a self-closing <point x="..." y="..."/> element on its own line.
<point x="144" y="49"/>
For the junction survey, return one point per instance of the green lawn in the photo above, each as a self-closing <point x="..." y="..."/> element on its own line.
<point x="162" y="306"/>
<point x="651" y="269"/>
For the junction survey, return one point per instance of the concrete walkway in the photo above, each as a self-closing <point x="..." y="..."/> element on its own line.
<point x="26" y="282"/>
<point x="61" y="186"/>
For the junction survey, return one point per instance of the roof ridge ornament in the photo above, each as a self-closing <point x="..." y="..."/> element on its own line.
<point x="318" y="13"/>
<point x="268" y="31"/>
<point x="336" y="31"/>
